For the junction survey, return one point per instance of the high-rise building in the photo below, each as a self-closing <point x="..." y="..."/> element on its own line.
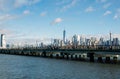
<point x="3" y="42"/>
<point x="115" y="41"/>
<point x="88" y="42"/>
<point x="75" y="40"/>
<point x="82" y="40"/>
<point x="110" y="39"/>
<point x="64" y="36"/>
<point x="101" y="41"/>
<point x="57" y="42"/>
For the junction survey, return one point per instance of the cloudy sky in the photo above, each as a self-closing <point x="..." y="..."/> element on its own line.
<point x="42" y="19"/>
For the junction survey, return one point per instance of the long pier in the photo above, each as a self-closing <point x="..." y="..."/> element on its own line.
<point x="92" y="55"/>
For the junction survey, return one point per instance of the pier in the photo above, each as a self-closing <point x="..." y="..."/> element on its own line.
<point x="90" y="55"/>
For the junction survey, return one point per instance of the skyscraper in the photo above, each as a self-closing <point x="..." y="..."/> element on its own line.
<point x="110" y="39"/>
<point x="64" y="36"/>
<point x="115" y="41"/>
<point x="3" y="42"/>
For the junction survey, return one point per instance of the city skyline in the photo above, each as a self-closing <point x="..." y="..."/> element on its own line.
<point x="44" y="19"/>
<point x="75" y="40"/>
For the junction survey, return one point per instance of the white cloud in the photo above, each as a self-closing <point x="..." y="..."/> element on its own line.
<point x="56" y="21"/>
<point x="6" y="5"/>
<point x="26" y="12"/>
<point x="107" y="13"/>
<point x="117" y="15"/>
<point x="89" y="9"/>
<point x="43" y="14"/>
<point x="69" y="5"/>
<point x="6" y="17"/>
<point x="107" y="5"/>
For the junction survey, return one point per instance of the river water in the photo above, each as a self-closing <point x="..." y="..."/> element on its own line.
<point x="26" y="67"/>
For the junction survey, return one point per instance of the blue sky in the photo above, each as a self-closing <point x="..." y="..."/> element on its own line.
<point x="42" y="19"/>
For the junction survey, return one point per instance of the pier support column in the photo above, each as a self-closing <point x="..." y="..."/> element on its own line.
<point x="22" y="53"/>
<point x="91" y="56"/>
<point x="115" y="60"/>
<point x="51" y="56"/>
<point x="57" y="55"/>
<point x="44" y="53"/>
<point x="67" y="56"/>
<point x="76" y="57"/>
<point x="100" y="60"/>
<point x="71" y="56"/>
<point x="63" y="56"/>
<point x="79" y="57"/>
<point x="107" y="60"/>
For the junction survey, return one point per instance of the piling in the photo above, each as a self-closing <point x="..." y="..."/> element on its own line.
<point x="107" y="60"/>
<point x="91" y="56"/>
<point x="44" y="53"/>
<point x="67" y="56"/>
<point x="71" y="56"/>
<point x="76" y="57"/>
<point x="100" y="60"/>
<point x="115" y="61"/>
<point x="51" y="55"/>
<point x="79" y="57"/>
<point x="57" y="55"/>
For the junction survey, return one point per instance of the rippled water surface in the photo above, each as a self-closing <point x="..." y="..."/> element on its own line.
<point x="25" y="67"/>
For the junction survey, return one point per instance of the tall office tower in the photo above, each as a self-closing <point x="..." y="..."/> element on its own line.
<point x="82" y="40"/>
<point x="64" y="36"/>
<point x="110" y="39"/>
<point x="101" y="41"/>
<point x="75" y="40"/>
<point x="115" y="41"/>
<point x="3" y="42"/>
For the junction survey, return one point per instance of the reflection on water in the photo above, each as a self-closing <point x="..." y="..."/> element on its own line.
<point x="23" y="67"/>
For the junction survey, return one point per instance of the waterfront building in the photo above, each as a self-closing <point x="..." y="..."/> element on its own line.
<point x="3" y="42"/>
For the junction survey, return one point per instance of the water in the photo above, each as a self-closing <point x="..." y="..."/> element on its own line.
<point x="25" y="67"/>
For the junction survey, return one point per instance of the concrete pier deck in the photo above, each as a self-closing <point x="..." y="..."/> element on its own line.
<point x="101" y="56"/>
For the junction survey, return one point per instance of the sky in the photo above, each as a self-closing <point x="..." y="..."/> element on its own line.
<point x="46" y="19"/>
